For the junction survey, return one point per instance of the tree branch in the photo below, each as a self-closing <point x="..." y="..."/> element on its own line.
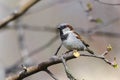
<point x="17" y="13"/>
<point x="52" y="61"/>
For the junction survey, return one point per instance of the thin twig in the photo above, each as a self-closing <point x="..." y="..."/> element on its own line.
<point x="51" y="74"/>
<point x="99" y="57"/>
<point x="58" y="49"/>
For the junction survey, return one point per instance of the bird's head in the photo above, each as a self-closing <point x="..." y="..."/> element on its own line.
<point x="65" y="27"/>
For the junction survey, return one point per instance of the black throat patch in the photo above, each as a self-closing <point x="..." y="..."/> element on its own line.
<point x="64" y="37"/>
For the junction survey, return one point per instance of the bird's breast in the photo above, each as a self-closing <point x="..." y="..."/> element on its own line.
<point x="73" y="43"/>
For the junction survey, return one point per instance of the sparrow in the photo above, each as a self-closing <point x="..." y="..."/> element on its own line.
<point x="71" y="39"/>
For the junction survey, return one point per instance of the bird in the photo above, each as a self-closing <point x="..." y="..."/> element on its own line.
<point x="71" y="39"/>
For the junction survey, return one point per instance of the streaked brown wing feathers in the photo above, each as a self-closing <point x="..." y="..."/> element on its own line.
<point x="79" y="37"/>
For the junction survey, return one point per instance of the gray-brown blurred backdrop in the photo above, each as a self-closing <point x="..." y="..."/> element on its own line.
<point x="50" y="13"/>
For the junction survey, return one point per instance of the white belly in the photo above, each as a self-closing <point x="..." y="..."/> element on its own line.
<point x="73" y="43"/>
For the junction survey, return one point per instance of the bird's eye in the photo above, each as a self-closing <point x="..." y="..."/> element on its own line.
<point x="63" y="27"/>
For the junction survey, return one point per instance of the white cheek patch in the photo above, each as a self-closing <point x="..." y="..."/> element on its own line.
<point x="66" y="30"/>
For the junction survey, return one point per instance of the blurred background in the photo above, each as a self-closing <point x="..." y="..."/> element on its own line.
<point x="33" y="38"/>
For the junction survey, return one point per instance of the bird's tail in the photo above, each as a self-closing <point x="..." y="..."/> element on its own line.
<point x="90" y="51"/>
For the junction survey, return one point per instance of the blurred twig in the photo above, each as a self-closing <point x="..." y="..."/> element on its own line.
<point x="21" y="40"/>
<point x="110" y="34"/>
<point x="101" y="26"/>
<point x="15" y="66"/>
<point x="112" y="4"/>
<point x="39" y="28"/>
<point x="83" y="8"/>
<point x="17" y="13"/>
<point x="95" y="30"/>
<point x="43" y="47"/>
<point x="36" y="28"/>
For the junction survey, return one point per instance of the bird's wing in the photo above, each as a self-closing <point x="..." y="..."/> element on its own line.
<point x="79" y="37"/>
